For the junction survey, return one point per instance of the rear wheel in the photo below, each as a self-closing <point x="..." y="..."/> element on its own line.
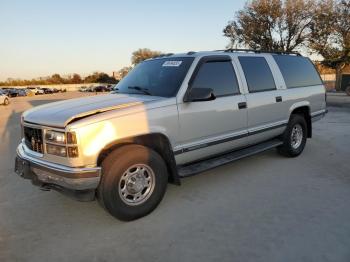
<point x="294" y="137"/>
<point x="133" y="183"/>
<point x="6" y="101"/>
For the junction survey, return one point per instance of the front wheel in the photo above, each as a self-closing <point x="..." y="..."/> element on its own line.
<point x="294" y="137"/>
<point x="6" y="101"/>
<point x="133" y="183"/>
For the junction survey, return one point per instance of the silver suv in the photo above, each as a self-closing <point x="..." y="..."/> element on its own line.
<point x="170" y="117"/>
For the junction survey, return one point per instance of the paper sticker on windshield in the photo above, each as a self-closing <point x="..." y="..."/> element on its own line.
<point x="172" y="63"/>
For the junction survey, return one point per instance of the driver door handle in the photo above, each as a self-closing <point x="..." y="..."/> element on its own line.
<point x="278" y="99"/>
<point x="242" y="105"/>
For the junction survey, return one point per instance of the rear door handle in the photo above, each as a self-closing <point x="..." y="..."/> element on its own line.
<point x="242" y="105"/>
<point x="278" y="99"/>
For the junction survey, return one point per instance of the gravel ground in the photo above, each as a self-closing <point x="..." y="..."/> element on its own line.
<point x="262" y="208"/>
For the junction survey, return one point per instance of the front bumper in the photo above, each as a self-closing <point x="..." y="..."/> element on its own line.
<point x="55" y="176"/>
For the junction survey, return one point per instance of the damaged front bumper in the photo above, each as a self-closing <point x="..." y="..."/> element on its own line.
<point x="80" y="183"/>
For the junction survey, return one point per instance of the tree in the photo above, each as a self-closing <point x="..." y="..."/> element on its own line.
<point x="56" y="79"/>
<point x="271" y="25"/>
<point x="143" y="54"/>
<point x="91" y="78"/>
<point x="76" y="79"/>
<point x="97" y="77"/>
<point x="330" y="34"/>
<point x="104" y="78"/>
<point x="123" y="72"/>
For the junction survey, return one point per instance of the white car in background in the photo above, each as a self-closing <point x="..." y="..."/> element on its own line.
<point x="36" y="90"/>
<point x="4" y="99"/>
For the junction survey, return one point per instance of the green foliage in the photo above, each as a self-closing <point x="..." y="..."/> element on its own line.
<point x="100" y="78"/>
<point x="330" y="32"/>
<point x="104" y="78"/>
<point x="76" y="79"/>
<point x="143" y="54"/>
<point x="124" y="71"/>
<point x="271" y="25"/>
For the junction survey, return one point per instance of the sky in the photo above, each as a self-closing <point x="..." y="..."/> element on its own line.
<point x="43" y="37"/>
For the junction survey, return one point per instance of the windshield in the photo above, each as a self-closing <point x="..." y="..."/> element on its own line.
<point x="157" y="77"/>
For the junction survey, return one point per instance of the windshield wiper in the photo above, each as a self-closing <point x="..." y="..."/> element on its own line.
<point x="141" y="89"/>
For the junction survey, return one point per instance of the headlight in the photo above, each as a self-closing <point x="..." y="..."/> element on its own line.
<point x="55" y="137"/>
<point x="61" y="143"/>
<point x="56" y="150"/>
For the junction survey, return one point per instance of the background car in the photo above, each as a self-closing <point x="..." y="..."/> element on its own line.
<point x="10" y="92"/>
<point x="90" y="89"/>
<point x="83" y="89"/>
<point x="47" y="90"/>
<point x="111" y="87"/>
<point x="40" y="91"/>
<point x="101" y="89"/>
<point x="22" y="92"/>
<point x="4" y="99"/>
<point x="35" y="90"/>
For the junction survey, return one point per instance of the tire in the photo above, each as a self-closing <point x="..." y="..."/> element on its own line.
<point x="6" y="102"/>
<point x="125" y="172"/>
<point x="294" y="137"/>
<point x="347" y="90"/>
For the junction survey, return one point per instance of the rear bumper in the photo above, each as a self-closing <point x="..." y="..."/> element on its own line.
<point x="55" y="176"/>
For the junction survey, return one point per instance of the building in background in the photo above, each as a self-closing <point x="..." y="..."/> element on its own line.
<point x="329" y="77"/>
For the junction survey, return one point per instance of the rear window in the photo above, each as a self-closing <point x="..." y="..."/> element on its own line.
<point x="257" y="73"/>
<point x="297" y="71"/>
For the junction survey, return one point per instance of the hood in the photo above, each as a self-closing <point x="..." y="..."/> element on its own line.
<point x="59" y="114"/>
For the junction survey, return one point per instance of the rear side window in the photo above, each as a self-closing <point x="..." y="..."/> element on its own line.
<point x="257" y="73"/>
<point x="297" y="71"/>
<point x="218" y="76"/>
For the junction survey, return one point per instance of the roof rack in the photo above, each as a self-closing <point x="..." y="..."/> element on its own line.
<point x="163" y="55"/>
<point x="231" y="50"/>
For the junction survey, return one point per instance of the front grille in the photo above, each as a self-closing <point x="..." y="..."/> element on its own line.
<point x="33" y="138"/>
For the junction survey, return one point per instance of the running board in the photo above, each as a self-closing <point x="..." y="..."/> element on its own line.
<point x="198" y="167"/>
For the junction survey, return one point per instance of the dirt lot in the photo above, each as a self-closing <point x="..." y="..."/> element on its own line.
<point x="262" y="208"/>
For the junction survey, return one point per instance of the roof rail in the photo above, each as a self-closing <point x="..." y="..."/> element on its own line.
<point x="231" y="50"/>
<point x="163" y="55"/>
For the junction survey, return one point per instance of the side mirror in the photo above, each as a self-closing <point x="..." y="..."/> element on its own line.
<point x="197" y="94"/>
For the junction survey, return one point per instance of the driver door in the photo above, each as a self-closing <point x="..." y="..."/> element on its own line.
<point x="214" y="126"/>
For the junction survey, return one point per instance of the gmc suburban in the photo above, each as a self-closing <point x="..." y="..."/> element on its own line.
<point x="171" y="117"/>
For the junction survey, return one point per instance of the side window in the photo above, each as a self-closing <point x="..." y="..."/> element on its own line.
<point x="219" y="76"/>
<point x="297" y="71"/>
<point x="257" y="73"/>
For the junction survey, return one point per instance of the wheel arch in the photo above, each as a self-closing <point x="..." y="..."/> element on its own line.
<point x="304" y="110"/>
<point x="156" y="141"/>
